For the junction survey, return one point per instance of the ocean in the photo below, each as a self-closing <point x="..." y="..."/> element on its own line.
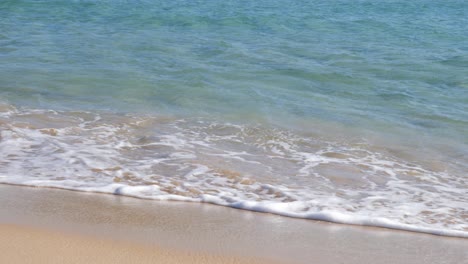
<point x="353" y="112"/>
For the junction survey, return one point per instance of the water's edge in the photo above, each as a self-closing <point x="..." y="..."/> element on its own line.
<point x="380" y="223"/>
<point x="254" y="168"/>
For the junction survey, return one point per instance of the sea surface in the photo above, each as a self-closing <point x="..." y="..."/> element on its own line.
<point x="352" y="112"/>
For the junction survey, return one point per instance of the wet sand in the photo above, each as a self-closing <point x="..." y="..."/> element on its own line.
<point x="39" y="225"/>
<point x="27" y="245"/>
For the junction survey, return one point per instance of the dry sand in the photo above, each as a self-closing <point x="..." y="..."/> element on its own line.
<point x="39" y="225"/>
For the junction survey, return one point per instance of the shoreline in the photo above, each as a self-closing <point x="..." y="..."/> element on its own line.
<point x="232" y="165"/>
<point x="223" y="234"/>
<point x="380" y="223"/>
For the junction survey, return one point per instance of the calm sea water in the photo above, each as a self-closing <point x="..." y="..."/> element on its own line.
<point x="345" y="111"/>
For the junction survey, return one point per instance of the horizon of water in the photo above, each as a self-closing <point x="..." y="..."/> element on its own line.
<point x="345" y="111"/>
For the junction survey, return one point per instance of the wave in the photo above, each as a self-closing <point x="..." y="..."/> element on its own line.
<point x="247" y="167"/>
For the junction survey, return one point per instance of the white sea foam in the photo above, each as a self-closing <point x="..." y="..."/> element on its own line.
<point x="246" y="167"/>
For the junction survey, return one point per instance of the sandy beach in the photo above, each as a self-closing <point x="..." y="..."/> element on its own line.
<point x="295" y="132"/>
<point x="27" y="245"/>
<point x="40" y="225"/>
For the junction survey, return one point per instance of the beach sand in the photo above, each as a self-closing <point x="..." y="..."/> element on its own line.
<point x="26" y="245"/>
<point x="41" y="225"/>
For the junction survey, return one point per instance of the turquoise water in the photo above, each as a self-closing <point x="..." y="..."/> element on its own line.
<point x="385" y="78"/>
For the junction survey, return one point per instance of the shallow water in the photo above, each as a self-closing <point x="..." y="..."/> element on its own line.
<point x="352" y="112"/>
